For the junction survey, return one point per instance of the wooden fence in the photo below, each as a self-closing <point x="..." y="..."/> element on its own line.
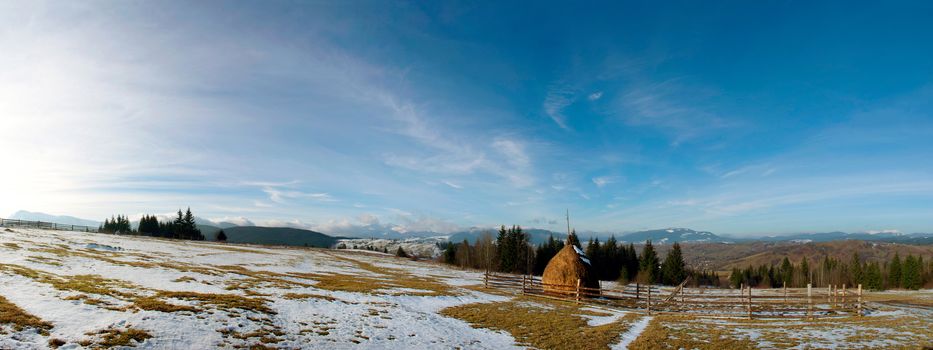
<point x="45" y="225"/>
<point x="744" y="302"/>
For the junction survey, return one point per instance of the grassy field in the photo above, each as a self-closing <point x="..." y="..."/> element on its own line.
<point x="93" y="291"/>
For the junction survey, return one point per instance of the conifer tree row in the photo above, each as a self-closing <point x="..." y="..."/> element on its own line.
<point x="511" y="252"/>
<point x="182" y="227"/>
<point x="909" y="273"/>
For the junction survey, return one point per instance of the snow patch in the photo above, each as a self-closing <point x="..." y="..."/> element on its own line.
<point x="632" y="333"/>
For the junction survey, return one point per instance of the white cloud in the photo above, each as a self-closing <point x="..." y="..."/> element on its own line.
<point x="368" y="219"/>
<point x="513" y="151"/>
<point x="673" y="107"/>
<point x="890" y="231"/>
<point x="280" y="196"/>
<point x="558" y="97"/>
<point x="595" y="96"/>
<point x="451" y="184"/>
<point x="602" y="181"/>
<point x="236" y="220"/>
<point x="450" y="153"/>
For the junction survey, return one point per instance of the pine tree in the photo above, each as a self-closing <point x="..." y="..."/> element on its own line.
<point x="735" y="278"/>
<point x="872" y="276"/>
<point x="673" y="271"/>
<point x="613" y="259"/>
<point x="221" y="236"/>
<point x="592" y="252"/>
<point x="401" y="253"/>
<point x="894" y="272"/>
<point x="450" y="254"/>
<point x="804" y="273"/>
<point x="855" y="270"/>
<point x="911" y="273"/>
<point x="648" y="265"/>
<point x="787" y="271"/>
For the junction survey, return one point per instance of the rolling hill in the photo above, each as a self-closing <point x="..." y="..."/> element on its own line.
<point x="272" y="236"/>
<point x="58" y="219"/>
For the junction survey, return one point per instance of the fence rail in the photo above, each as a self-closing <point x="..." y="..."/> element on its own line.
<point x="744" y="302"/>
<point x="45" y="225"/>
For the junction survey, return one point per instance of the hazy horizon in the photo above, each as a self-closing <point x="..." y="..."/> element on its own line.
<point x="754" y="120"/>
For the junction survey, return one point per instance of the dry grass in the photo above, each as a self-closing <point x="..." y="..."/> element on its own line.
<point x="125" y="291"/>
<point x="226" y="302"/>
<point x="13" y="246"/>
<point x="45" y="261"/>
<point x="88" y="284"/>
<point x="686" y="332"/>
<point x="300" y="296"/>
<point x="155" y="304"/>
<point x="19" y="318"/>
<point x="908" y="298"/>
<point x="110" y="338"/>
<point x="557" y="326"/>
<point x="664" y="332"/>
<point x="384" y="279"/>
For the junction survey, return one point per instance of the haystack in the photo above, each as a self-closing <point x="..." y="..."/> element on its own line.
<point x="562" y="272"/>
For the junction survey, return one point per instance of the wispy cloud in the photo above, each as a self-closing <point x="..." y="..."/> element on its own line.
<point x="595" y="96"/>
<point x="602" y="181"/>
<point x="673" y="107"/>
<point x="455" y="154"/>
<point x="558" y="97"/>
<point x="281" y="196"/>
<point x="451" y="184"/>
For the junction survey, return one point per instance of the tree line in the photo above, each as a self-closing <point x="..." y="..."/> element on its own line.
<point x="511" y="252"/>
<point x="182" y="227"/>
<point x="911" y="273"/>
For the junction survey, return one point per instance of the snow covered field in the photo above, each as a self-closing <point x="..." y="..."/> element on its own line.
<point x="369" y="300"/>
<point x="77" y="290"/>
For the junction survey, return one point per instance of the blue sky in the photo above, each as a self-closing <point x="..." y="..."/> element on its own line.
<point x="736" y="118"/>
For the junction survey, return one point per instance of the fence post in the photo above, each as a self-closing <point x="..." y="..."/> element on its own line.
<point x="859" y="307"/>
<point x="523" y="284"/>
<point x="578" y="290"/>
<point x="486" y="279"/>
<point x="843" y="296"/>
<point x="637" y="290"/>
<point x="809" y="302"/>
<point x="649" y="300"/>
<point x="835" y="294"/>
<point x="749" y="302"/>
<point x="785" y="293"/>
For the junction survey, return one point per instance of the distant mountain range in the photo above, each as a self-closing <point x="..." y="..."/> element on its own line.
<point x="58" y="219"/>
<point x="892" y="237"/>
<point x="301" y="237"/>
<point x="659" y="236"/>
